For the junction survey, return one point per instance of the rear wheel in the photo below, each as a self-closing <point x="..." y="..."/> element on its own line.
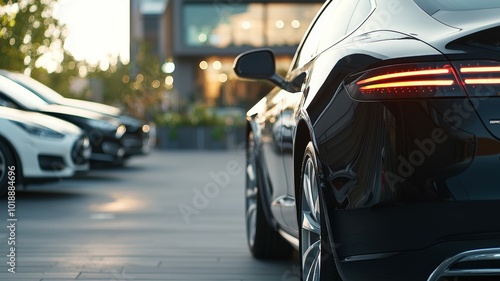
<point x="315" y="251"/>
<point x="6" y="161"/>
<point x="263" y="240"/>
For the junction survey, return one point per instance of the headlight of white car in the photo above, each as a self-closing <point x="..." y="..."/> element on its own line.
<point x="39" y="131"/>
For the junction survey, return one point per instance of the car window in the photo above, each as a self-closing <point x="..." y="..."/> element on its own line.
<point x="338" y="23"/>
<point x="361" y="12"/>
<point x="6" y="102"/>
<point x="309" y="47"/>
<point x="42" y="91"/>
<point x="330" y="27"/>
<point x="20" y="95"/>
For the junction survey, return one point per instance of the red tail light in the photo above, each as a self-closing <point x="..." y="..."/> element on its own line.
<point x="479" y="69"/>
<point x="481" y="78"/>
<point x="409" y="81"/>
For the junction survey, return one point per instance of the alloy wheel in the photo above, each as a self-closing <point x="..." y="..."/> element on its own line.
<point x="310" y="222"/>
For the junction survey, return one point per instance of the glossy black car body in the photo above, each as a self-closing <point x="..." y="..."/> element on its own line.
<point x="136" y="140"/>
<point x="388" y="165"/>
<point x="105" y="133"/>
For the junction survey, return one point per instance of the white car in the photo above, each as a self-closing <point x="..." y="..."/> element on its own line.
<point x="138" y="137"/>
<point x="36" y="147"/>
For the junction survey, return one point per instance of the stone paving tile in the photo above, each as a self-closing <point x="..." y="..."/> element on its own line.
<point x="172" y="276"/>
<point x="139" y="233"/>
<point x="23" y="279"/>
<point x="65" y="269"/>
<point x="37" y="275"/>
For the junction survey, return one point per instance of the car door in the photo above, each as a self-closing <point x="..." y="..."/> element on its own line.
<point x="271" y="148"/>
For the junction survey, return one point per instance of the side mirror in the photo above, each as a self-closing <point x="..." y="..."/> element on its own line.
<point x="258" y="64"/>
<point x="255" y="64"/>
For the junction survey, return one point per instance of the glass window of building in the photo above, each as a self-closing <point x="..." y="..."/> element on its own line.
<point x="246" y="24"/>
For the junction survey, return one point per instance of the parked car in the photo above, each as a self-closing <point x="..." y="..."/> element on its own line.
<point x="393" y="171"/>
<point x="137" y="138"/>
<point x="105" y="133"/>
<point x="37" y="147"/>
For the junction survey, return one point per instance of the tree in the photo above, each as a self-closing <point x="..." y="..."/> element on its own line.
<point x="140" y="88"/>
<point x="30" y="37"/>
<point x="32" y="40"/>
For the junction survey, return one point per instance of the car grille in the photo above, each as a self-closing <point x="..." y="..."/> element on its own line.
<point x="131" y="141"/>
<point x="136" y="142"/>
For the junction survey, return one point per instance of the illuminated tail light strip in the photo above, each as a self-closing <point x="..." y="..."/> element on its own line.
<point x="405" y="74"/>
<point x="427" y="80"/>
<point x="480" y="69"/>
<point x="417" y="80"/>
<point x="482" y="81"/>
<point x="418" y="83"/>
<point x="480" y="78"/>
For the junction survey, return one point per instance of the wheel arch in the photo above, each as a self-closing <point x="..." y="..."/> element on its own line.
<point x="302" y="138"/>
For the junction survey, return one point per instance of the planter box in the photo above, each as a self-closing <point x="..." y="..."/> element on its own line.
<point x="199" y="138"/>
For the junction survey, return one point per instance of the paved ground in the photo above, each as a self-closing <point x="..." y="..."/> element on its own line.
<point x="167" y="216"/>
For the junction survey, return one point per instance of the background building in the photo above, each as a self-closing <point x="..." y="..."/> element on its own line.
<point x="201" y="38"/>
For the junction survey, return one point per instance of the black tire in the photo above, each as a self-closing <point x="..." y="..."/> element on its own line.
<point x="6" y="160"/>
<point x="316" y="257"/>
<point x="263" y="240"/>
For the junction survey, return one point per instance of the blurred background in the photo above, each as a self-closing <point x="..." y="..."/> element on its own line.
<point x="168" y="62"/>
<point x="166" y="68"/>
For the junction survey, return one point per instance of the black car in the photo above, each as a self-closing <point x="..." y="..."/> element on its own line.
<point x="392" y="170"/>
<point x="105" y="133"/>
<point x="137" y="138"/>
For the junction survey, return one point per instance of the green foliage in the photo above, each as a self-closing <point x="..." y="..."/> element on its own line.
<point x="138" y="86"/>
<point x="29" y="35"/>
<point x="31" y="42"/>
<point x="198" y="115"/>
<point x="114" y="83"/>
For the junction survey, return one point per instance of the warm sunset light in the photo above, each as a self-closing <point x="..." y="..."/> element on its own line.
<point x="98" y="30"/>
